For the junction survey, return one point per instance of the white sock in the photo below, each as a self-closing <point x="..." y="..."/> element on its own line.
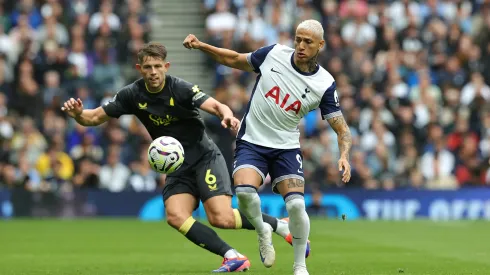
<point x="249" y="204"/>
<point x="299" y="224"/>
<point x="282" y="228"/>
<point x="232" y="253"/>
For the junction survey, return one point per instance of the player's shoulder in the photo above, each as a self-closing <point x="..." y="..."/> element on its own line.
<point x="273" y="49"/>
<point x="182" y="89"/>
<point x="273" y="54"/>
<point x="284" y="48"/>
<point x="325" y="75"/>
<point x="281" y="49"/>
<point x="131" y="89"/>
<point x="326" y="78"/>
<point x="177" y="84"/>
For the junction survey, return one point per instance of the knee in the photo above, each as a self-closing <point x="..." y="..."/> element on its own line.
<point x="239" y="180"/>
<point x="176" y="219"/>
<point x="295" y="204"/>
<point x="247" y="176"/>
<point x="222" y="219"/>
<point x="245" y="192"/>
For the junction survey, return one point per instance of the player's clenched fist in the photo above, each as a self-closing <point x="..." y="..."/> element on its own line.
<point x="191" y="42"/>
<point x="73" y="107"/>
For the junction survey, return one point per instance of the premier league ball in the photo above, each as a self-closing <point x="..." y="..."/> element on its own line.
<point x="165" y="155"/>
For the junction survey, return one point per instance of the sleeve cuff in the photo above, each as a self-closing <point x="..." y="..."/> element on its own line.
<point x="332" y="115"/>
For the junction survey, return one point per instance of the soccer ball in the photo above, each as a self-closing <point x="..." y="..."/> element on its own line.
<point x="165" y="155"/>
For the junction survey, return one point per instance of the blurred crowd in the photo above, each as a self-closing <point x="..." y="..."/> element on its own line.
<point x="413" y="79"/>
<point x="56" y="49"/>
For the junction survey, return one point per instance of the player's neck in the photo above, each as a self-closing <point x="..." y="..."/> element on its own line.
<point x="157" y="89"/>
<point x="306" y="67"/>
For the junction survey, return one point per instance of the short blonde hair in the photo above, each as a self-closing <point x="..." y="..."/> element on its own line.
<point x="312" y="25"/>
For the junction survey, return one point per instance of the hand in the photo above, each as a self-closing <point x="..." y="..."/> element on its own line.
<point x="231" y="122"/>
<point x="344" y="165"/>
<point x="191" y="42"/>
<point x="73" y="107"/>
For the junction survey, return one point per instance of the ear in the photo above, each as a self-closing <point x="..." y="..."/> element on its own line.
<point x="138" y="67"/>
<point x="167" y="65"/>
<point x="322" y="44"/>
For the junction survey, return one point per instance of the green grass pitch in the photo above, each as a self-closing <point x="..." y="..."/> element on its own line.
<point x="110" y="247"/>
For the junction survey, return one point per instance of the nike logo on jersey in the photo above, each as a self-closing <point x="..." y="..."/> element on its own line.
<point x="272" y="70"/>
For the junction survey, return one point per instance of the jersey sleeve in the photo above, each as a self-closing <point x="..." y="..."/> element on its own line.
<point x="120" y="104"/>
<point x="256" y="58"/>
<point x="191" y="95"/>
<point x="330" y="104"/>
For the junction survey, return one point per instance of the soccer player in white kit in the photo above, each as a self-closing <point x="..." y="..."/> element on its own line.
<point x="289" y="84"/>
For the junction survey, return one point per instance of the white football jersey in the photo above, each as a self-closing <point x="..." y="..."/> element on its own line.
<point x="282" y="95"/>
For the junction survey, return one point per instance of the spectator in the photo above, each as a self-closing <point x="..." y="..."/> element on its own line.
<point x="27" y="8"/>
<point x="359" y="32"/>
<point x="52" y="29"/>
<point x="114" y="175"/>
<point x="55" y="166"/>
<point x="81" y="60"/>
<point x="86" y="174"/>
<point x="52" y="89"/>
<point x="104" y="16"/>
<point x="222" y="23"/>
<point x="142" y="178"/>
<point x="438" y="165"/>
<point x="250" y="26"/>
<point x="87" y="149"/>
<point x="476" y="88"/>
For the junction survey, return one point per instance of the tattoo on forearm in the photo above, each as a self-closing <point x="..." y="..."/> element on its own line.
<point x="338" y="122"/>
<point x="345" y="143"/>
<point x="344" y="137"/>
<point x="292" y="183"/>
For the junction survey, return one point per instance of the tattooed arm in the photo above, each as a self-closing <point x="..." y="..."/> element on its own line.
<point x="344" y="137"/>
<point x="344" y="140"/>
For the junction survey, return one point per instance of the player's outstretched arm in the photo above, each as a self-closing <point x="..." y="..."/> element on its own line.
<point x="222" y="111"/>
<point x="223" y="56"/>
<point x="93" y="117"/>
<point x="344" y="140"/>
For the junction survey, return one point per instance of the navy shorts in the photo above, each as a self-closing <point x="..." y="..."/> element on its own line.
<point x="280" y="164"/>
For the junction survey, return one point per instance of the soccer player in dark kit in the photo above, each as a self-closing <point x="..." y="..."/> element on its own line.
<point x="168" y="106"/>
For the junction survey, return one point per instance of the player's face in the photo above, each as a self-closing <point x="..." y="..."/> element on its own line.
<point x="307" y="45"/>
<point x="153" y="71"/>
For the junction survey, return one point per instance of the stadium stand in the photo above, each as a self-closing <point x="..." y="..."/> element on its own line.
<point x="54" y="50"/>
<point x="412" y="78"/>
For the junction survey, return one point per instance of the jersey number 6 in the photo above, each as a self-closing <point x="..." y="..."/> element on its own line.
<point x="210" y="180"/>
